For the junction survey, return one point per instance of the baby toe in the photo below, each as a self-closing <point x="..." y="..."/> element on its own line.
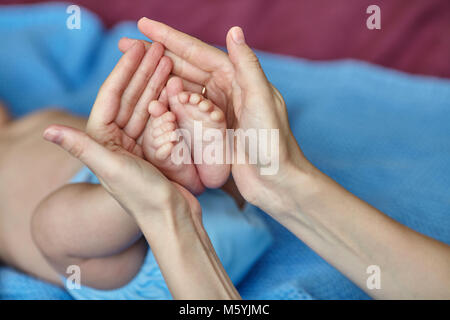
<point x="164" y="127"/>
<point x="205" y="105"/>
<point x="164" y="151"/>
<point x="217" y="115"/>
<point x="156" y="108"/>
<point x="195" y="98"/>
<point x="168" y="126"/>
<point x="183" y="97"/>
<point x="157" y="132"/>
<point x="168" y="116"/>
<point x="164" y="138"/>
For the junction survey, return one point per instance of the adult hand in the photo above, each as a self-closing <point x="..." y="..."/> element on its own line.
<point x="128" y="178"/>
<point x="111" y="145"/>
<point x="346" y="231"/>
<point x="237" y="84"/>
<point x="120" y="112"/>
<point x="168" y="215"/>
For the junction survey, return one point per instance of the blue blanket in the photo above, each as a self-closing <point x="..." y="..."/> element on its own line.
<point x="382" y="134"/>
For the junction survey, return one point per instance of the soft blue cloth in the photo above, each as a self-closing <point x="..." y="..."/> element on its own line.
<point x="383" y="135"/>
<point x="239" y="237"/>
<point x="18" y="286"/>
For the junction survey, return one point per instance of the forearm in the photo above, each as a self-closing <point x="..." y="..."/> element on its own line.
<point x="352" y="235"/>
<point x="187" y="258"/>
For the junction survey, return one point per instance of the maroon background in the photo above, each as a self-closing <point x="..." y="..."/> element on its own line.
<point x="414" y="35"/>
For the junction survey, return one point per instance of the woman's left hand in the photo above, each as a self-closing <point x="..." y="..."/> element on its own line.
<point x="168" y="215"/>
<point x="117" y="121"/>
<point x="141" y="189"/>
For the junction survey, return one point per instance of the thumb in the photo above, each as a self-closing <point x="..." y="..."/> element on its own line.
<point x="249" y="73"/>
<point x="81" y="146"/>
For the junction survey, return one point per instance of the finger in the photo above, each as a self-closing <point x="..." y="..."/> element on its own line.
<point x="139" y="118"/>
<point x="194" y="51"/>
<point x="106" y="106"/>
<point x="126" y="43"/>
<point x="190" y="86"/>
<point x="181" y="67"/>
<point x="163" y="98"/>
<point x="138" y="83"/>
<point x="99" y="159"/>
<point x="187" y="71"/>
<point x="249" y="74"/>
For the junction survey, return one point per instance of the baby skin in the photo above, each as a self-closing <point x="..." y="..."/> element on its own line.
<point x="162" y="138"/>
<point x="193" y="107"/>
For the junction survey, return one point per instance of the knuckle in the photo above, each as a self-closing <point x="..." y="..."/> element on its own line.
<point x="142" y="113"/>
<point x="77" y="148"/>
<point x="189" y="53"/>
<point x="126" y="100"/>
<point x="153" y="89"/>
<point x="253" y="59"/>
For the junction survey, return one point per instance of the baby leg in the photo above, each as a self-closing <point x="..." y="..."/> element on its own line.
<point x="190" y="108"/>
<point x="81" y="224"/>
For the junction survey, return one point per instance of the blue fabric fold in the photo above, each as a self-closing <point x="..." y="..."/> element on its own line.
<point x="382" y="134"/>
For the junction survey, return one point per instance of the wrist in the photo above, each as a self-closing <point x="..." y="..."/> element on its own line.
<point x="156" y="224"/>
<point x="162" y="209"/>
<point x="187" y="259"/>
<point x="297" y="183"/>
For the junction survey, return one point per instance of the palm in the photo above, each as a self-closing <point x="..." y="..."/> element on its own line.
<point x="129" y="163"/>
<point x="120" y="115"/>
<point x="218" y="88"/>
<point x="162" y="189"/>
<point x="113" y="136"/>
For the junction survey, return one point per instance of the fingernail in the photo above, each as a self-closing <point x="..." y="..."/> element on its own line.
<point x="143" y="19"/>
<point x="127" y="39"/>
<point x="238" y="35"/>
<point x="134" y="44"/>
<point x="53" y="135"/>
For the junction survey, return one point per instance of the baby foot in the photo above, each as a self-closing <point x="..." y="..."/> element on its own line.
<point x="159" y="141"/>
<point x="190" y="107"/>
